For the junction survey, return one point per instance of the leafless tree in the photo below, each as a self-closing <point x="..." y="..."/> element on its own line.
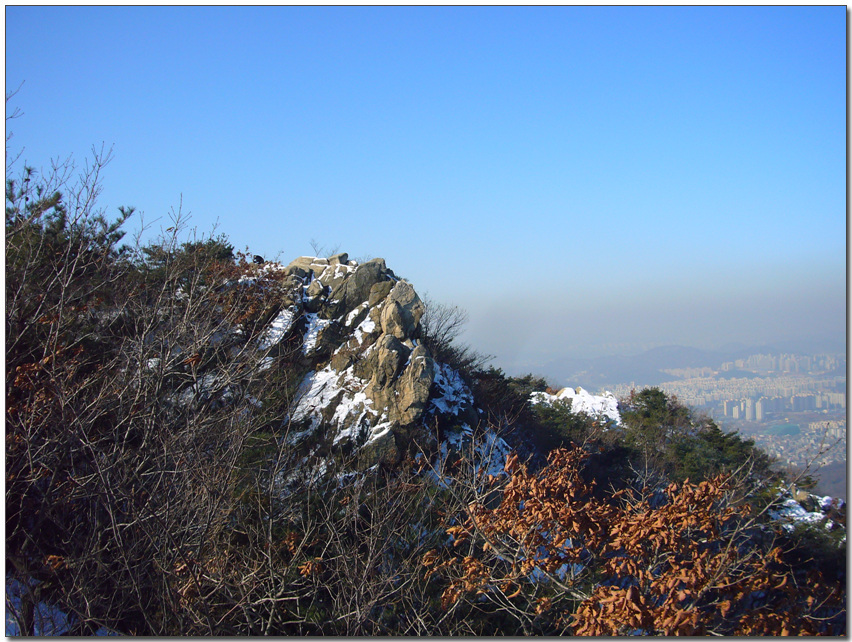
<point x="441" y="328"/>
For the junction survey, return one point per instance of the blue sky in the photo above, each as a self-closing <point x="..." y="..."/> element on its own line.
<point x="581" y="180"/>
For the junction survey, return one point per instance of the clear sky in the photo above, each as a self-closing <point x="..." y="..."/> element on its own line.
<point x="581" y="180"/>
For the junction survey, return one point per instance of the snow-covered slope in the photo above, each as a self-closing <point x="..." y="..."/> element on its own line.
<point x="598" y="406"/>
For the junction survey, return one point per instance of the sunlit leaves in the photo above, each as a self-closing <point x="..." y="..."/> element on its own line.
<point x="688" y="565"/>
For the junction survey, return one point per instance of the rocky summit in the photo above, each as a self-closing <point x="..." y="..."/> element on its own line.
<point x="370" y="380"/>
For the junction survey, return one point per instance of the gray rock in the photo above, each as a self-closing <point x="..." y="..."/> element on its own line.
<point x="293" y="281"/>
<point x="376" y="317"/>
<point x="394" y="372"/>
<point x="305" y="265"/>
<point x="333" y="278"/>
<point x="302" y="262"/>
<point x="356" y="288"/>
<point x="404" y="395"/>
<point x="328" y="339"/>
<point x="391" y="356"/>
<point x="316" y="288"/>
<point x="414" y="386"/>
<point x="355" y="320"/>
<point x="342" y="359"/>
<point x="402" y="311"/>
<point x="382" y="450"/>
<point x="378" y="292"/>
<point x="299" y="271"/>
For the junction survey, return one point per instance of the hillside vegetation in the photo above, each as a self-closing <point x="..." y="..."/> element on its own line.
<point x="198" y="443"/>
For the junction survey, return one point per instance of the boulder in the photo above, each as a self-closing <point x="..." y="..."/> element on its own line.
<point x="328" y="340"/>
<point x="378" y="292"/>
<point x="333" y="277"/>
<point x="414" y="386"/>
<point x="356" y="316"/>
<point x="381" y="450"/>
<point x="315" y="289"/>
<point x="305" y="265"/>
<point x="402" y="311"/>
<point x="391" y="356"/>
<point x="298" y="271"/>
<point x="343" y="358"/>
<point x="355" y="289"/>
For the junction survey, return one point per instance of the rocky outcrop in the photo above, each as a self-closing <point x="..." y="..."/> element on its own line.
<point x="402" y="311"/>
<point x="370" y="380"/>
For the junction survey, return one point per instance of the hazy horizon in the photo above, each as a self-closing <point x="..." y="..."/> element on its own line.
<point x="532" y="335"/>
<point x="582" y="180"/>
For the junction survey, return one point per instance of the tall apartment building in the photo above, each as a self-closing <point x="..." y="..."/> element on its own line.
<point x="729" y="407"/>
<point x="760" y="409"/>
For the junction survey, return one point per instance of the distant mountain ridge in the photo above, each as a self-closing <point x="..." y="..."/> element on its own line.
<point x="647" y="368"/>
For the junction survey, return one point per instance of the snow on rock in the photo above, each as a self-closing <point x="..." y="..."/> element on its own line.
<point x="370" y="381"/>
<point x="605" y="405"/>
<point x="452" y="392"/>
<point x="277" y="329"/>
<point x="367" y="326"/>
<point x="199" y="390"/>
<point x="352" y="408"/>
<point x="350" y="318"/>
<point x="791" y="513"/>
<point x="828" y="503"/>
<point x="316" y="392"/>
<point x="378" y="431"/>
<point x="488" y="452"/>
<point x="315" y="326"/>
<point x="492" y="453"/>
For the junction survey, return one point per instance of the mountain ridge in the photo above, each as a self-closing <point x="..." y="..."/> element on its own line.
<point x="646" y="368"/>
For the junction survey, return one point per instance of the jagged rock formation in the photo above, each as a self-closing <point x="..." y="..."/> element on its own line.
<point x="370" y="380"/>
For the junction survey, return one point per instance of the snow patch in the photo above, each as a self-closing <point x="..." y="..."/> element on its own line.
<point x="367" y="326"/>
<point x="350" y="318"/>
<point x="317" y="391"/>
<point x="47" y="621"/>
<point x="353" y="411"/>
<point x="453" y="393"/>
<point x="489" y="453"/>
<point x="315" y="326"/>
<point x="791" y="513"/>
<point x="276" y="330"/>
<point x="379" y="431"/>
<point x="598" y="406"/>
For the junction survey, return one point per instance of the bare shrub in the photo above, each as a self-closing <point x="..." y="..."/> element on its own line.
<point x="440" y="329"/>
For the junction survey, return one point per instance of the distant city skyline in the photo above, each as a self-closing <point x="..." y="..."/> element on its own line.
<point x="582" y="180"/>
